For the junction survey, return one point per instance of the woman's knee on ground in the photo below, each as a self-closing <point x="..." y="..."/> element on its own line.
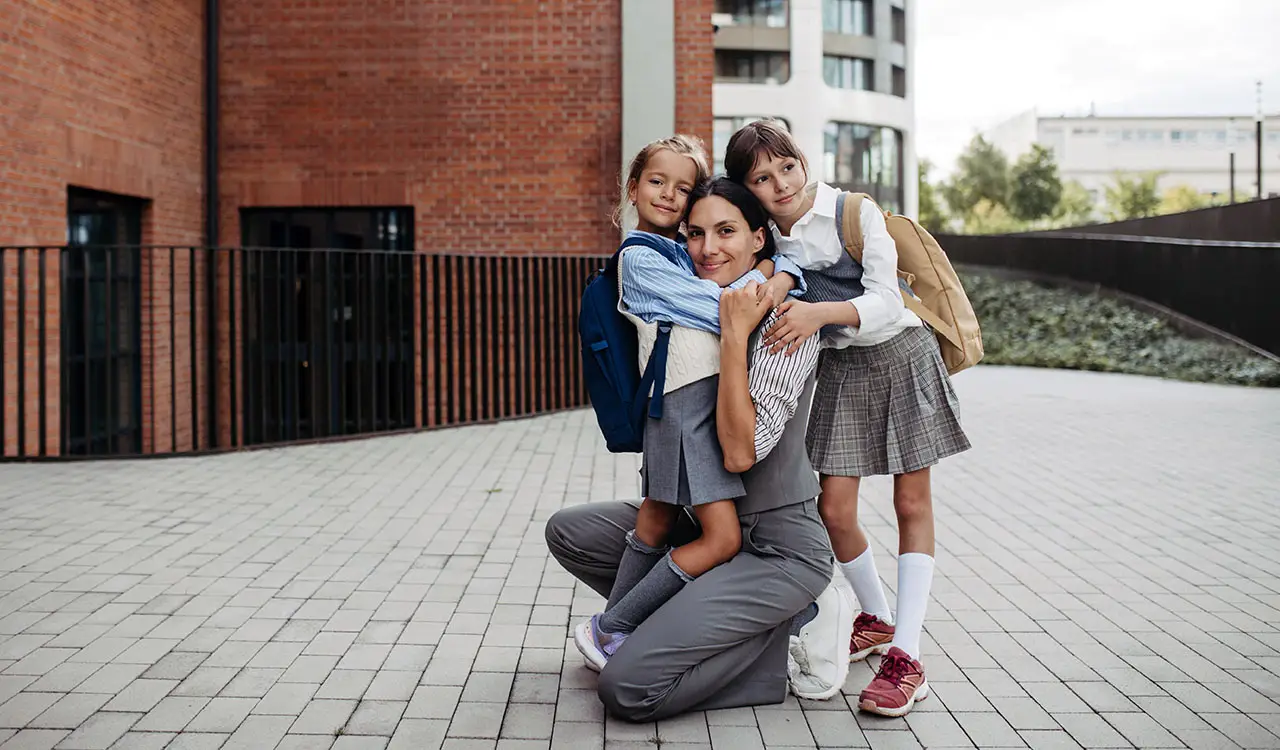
<point x="623" y="693"/>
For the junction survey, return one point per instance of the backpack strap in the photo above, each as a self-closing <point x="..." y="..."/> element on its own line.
<point x="655" y="373"/>
<point x="849" y="222"/>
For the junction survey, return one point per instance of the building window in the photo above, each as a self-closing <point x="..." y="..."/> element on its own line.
<point x="899" y="25"/>
<point x="328" y="324"/>
<point x="736" y="66"/>
<point x="723" y="130"/>
<point x="848" y="72"/>
<point x="899" y="81"/>
<point x="865" y="158"/>
<point x="101" y="325"/>
<point x="848" y="17"/>
<point x="768" y="13"/>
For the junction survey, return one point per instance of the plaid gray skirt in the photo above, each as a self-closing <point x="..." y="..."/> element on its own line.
<point x="884" y="409"/>
<point x="683" y="463"/>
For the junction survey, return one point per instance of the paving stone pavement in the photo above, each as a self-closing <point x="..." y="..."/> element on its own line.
<point x="1108" y="576"/>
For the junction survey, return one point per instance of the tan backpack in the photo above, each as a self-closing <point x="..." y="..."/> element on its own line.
<point x="930" y="287"/>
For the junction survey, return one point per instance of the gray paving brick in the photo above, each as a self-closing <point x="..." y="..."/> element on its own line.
<point x="222" y="715"/>
<point x="376" y="717"/>
<point x="172" y="714"/>
<point x="323" y="717"/>
<point x="1091" y="730"/>
<point x="477" y="720"/>
<point x="70" y="711"/>
<point x="527" y="721"/>
<point x="100" y="731"/>
<point x="21" y="709"/>
<point x="35" y="739"/>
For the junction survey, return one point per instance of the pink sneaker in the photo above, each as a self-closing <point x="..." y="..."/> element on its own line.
<point x="871" y="635"/>
<point x="897" y="686"/>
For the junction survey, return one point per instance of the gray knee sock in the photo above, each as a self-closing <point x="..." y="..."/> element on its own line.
<point x="662" y="582"/>
<point x="638" y="559"/>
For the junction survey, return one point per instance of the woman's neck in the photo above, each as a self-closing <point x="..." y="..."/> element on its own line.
<point x="786" y="223"/>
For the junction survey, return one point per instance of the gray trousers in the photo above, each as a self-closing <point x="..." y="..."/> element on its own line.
<point x="722" y="641"/>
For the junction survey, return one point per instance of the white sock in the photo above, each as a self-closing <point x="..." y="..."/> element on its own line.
<point x="915" y="579"/>
<point x="867" y="587"/>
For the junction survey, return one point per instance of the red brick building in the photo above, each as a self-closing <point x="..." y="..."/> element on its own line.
<point x="441" y="128"/>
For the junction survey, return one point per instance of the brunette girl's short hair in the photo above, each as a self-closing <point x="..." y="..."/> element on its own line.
<point x="768" y="136"/>
<point x="680" y="144"/>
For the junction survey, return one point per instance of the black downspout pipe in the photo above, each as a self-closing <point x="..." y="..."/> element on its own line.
<point x="211" y="210"/>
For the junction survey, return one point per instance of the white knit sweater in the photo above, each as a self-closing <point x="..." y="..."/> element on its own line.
<point x="691" y="354"/>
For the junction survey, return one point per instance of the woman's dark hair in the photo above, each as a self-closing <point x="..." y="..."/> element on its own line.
<point x="743" y="200"/>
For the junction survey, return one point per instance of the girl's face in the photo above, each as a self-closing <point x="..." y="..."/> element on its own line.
<point x="662" y="191"/>
<point x="779" y="185"/>
<point x="722" y="245"/>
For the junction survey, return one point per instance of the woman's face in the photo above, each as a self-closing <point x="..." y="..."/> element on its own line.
<point x="721" y="244"/>
<point x="778" y="183"/>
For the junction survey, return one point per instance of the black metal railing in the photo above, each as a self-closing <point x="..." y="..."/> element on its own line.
<point x="1228" y="285"/>
<point x="133" y="351"/>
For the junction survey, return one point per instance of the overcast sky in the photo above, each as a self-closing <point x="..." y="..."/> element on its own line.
<point x="979" y="62"/>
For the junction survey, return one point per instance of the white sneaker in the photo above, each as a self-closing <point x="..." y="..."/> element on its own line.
<point x="818" y="660"/>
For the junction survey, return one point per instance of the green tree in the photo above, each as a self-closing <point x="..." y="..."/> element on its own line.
<point x="1075" y="206"/>
<point x="1181" y="198"/>
<point x="982" y="172"/>
<point x="1133" y="196"/>
<point x="930" y="215"/>
<point x="990" y="218"/>
<point x="1035" y="187"/>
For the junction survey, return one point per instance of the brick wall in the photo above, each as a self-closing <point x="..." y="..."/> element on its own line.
<point x="695" y="68"/>
<point x="101" y="94"/>
<point x="498" y="122"/>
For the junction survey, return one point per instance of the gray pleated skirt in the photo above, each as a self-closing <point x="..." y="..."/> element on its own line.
<point x="683" y="463"/>
<point x="884" y="409"/>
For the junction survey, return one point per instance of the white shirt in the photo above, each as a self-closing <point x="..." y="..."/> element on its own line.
<point x="815" y="244"/>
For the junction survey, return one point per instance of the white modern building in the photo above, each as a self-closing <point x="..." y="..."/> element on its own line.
<point x="1192" y="151"/>
<point x="839" y="72"/>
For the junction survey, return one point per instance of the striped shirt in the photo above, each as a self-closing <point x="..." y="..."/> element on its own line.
<point x="654" y="288"/>
<point x="776" y="383"/>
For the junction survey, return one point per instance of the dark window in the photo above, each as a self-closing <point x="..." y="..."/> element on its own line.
<point x="328" y="322"/>
<point x="865" y="158"/>
<point x="848" y="17"/>
<point x="899" y="26"/>
<point x="735" y="66"/>
<point x="848" y="72"/>
<point x="899" y="81"/>
<point x="769" y="13"/>
<point x="101" y="325"/>
<point x="724" y="128"/>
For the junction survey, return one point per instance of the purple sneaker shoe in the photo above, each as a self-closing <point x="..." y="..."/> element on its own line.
<point x="596" y="645"/>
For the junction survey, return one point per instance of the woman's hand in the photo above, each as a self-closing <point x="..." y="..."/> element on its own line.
<point x="741" y="310"/>
<point x="796" y="322"/>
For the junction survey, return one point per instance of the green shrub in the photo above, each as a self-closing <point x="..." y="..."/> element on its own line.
<point x="1031" y="324"/>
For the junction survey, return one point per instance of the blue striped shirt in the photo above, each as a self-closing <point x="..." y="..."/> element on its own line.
<point x="654" y="288"/>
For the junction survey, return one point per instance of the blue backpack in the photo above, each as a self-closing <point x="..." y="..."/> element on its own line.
<point x="611" y="354"/>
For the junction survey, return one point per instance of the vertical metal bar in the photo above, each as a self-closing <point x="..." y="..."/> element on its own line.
<point x="232" y="345"/>
<point x="437" y="337"/>
<point x="424" y="356"/>
<point x="4" y="338"/>
<point x="279" y="362"/>
<point x="109" y="352"/>
<point x="193" y="345"/>
<point x="44" y="366"/>
<point x="476" y="339"/>
<point x="263" y="350"/>
<point x="64" y="382"/>
<point x="327" y="334"/>
<point x="360" y="317"/>
<point x="173" y="355"/>
<point x="290" y="364"/>
<point x="21" y="323"/>
<point x="342" y="342"/>
<point x="528" y="326"/>
<point x="151" y="344"/>
<point x="87" y="355"/>
<point x="450" y="349"/>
